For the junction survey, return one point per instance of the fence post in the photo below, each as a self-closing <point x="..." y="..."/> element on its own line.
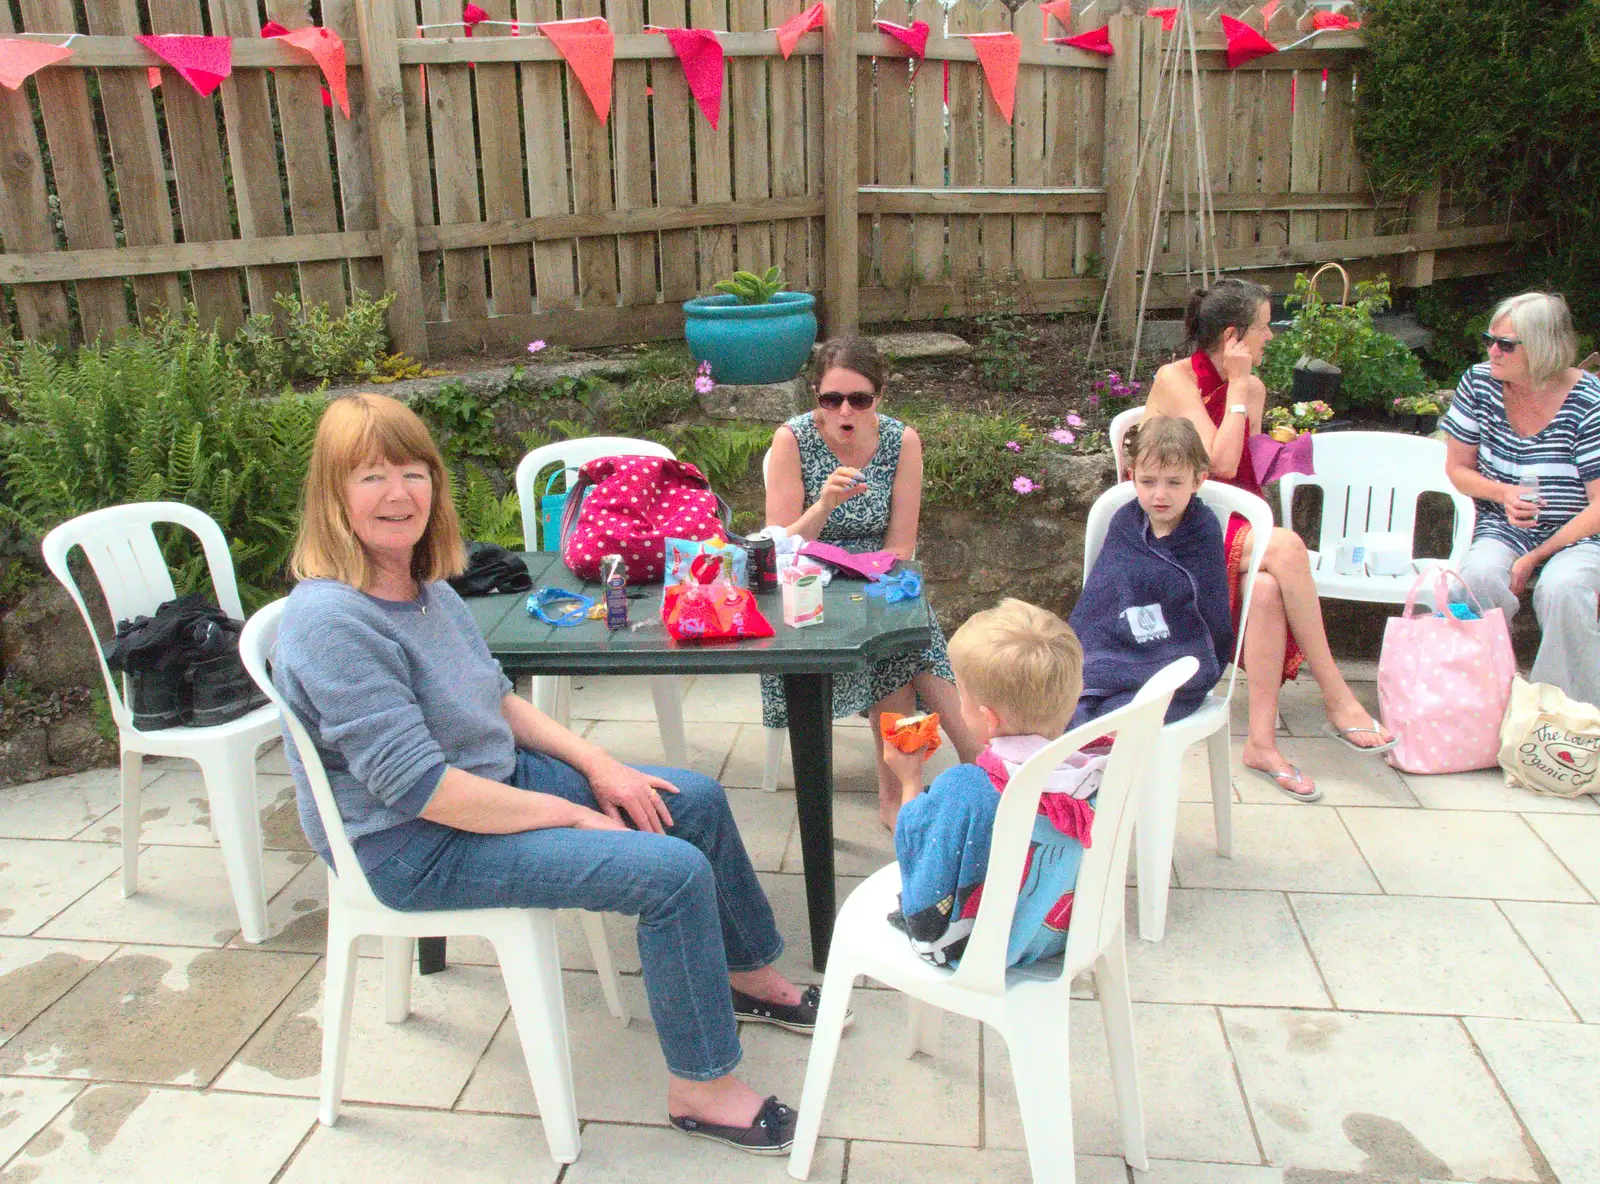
<point x="391" y="174"/>
<point x="1121" y="155"/>
<point x="1424" y="220"/>
<point x="841" y="296"/>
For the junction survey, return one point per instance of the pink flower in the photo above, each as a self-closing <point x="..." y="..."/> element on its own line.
<point x="1023" y="485"/>
<point x="1013" y="446"/>
<point x="535" y="346"/>
<point x="704" y="384"/>
<point x="1074" y="421"/>
<point x="1094" y="400"/>
<point x="1062" y="436"/>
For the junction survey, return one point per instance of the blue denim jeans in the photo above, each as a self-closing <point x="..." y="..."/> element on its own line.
<point x="701" y="909"/>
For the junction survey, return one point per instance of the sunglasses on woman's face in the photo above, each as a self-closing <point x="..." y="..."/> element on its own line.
<point x="1507" y="344"/>
<point x="833" y="400"/>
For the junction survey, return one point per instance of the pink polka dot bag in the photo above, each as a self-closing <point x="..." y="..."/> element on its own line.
<point x="630" y="506"/>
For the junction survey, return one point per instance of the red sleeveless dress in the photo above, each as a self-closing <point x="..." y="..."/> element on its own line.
<point x="1214" y="395"/>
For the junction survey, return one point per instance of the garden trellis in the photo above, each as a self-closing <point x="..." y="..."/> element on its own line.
<point x="485" y="190"/>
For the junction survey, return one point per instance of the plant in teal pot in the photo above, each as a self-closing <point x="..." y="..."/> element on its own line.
<point x="753" y="331"/>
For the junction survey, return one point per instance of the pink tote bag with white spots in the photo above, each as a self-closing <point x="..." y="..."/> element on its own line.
<point x="1444" y="684"/>
<point x="630" y="506"/>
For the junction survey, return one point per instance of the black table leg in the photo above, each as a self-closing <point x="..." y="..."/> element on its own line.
<point x="810" y="702"/>
<point x="430" y="955"/>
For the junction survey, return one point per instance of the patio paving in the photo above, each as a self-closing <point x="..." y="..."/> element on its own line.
<point x="1395" y="986"/>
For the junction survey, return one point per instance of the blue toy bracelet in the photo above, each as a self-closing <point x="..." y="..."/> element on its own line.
<point x="574" y="606"/>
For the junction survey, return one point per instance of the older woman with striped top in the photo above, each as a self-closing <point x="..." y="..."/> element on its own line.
<point x="1524" y="442"/>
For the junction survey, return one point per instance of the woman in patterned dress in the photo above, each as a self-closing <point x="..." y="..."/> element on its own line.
<point x="1528" y="417"/>
<point x="847" y="475"/>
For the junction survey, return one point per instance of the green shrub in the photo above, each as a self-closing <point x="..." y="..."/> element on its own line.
<point x="160" y="417"/>
<point x="1377" y="368"/>
<point x="316" y="345"/>
<point x="486" y="515"/>
<point x="965" y="459"/>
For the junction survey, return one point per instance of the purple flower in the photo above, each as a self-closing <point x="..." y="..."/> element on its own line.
<point x="1023" y="485"/>
<point x="1094" y="401"/>
<point x="535" y="346"/>
<point x="1062" y="436"/>
<point x="704" y="384"/>
<point x="1074" y="421"/>
<point x="1013" y="446"/>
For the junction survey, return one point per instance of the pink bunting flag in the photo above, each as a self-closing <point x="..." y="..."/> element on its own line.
<point x="1061" y="10"/>
<point x="273" y="29"/>
<point x="19" y="58"/>
<point x="589" y="47"/>
<point x="1244" y="43"/>
<point x="915" y="39"/>
<point x="1167" y="16"/>
<point x="1000" y="54"/>
<point x="472" y="16"/>
<point x="327" y="50"/>
<point x="152" y="75"/>
<point x="700" y="52"/>
<point x="1095" y="41"/>
<point x="1269" y="10"/>
<point x="202" y="62"/>
<point x="1333" y="21"/>
<point x="796" y="27"/>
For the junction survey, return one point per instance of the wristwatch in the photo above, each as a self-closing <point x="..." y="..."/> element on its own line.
<point x="1239" y="408"/>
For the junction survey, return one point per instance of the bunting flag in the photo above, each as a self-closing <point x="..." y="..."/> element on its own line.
<point x="1333" y="20"/>
<point x="1244" y="43"/>
<point x="915" y="39"/>
<point x="152" y="75"/>
<point x="1061" y="10"/>
<point x="999" y="53"/>
<point x="472" y="16"/>
<point x="1095" y="41"/>
<point x="1269" y="10"/>
<point x="327" y="50"/>
<point x="273" y="29"/>
<point x="1167" y="16"/>
<point x="19" y="58"/>
<point x="700" y="53"/>
<point x="796" y="27"/>
<point x="202" y="62"/>
<point x="588" y="46"/>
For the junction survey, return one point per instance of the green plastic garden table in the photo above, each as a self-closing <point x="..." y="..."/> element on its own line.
<point x="857" y="630"/>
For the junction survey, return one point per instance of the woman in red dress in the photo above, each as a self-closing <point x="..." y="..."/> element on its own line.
<point x="1216" y="389"/>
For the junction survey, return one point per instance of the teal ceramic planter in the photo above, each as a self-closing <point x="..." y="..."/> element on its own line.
<point x="752" y="343"/>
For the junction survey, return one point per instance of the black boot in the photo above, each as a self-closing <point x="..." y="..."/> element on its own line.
<point x="221" y="688"/>
<point x="156" y="698"/>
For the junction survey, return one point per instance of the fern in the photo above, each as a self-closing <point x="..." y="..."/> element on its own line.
<point x="487" y="517"/>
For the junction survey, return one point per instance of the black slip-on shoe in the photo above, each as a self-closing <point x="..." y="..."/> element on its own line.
<point x="796" y="1017"/>
<point x="156" y="698"/>
<point x="772" y="1132"/>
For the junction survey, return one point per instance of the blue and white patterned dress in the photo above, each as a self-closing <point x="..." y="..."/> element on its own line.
<point x="858" y="526"/>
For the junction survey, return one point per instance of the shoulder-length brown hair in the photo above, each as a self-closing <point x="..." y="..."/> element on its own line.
<point x="356" y="430"/>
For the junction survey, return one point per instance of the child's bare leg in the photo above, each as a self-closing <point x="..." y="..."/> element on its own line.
<point x="1265" y="641"/>
<point x="940" y="695"/>
<point x="904" y="701"/>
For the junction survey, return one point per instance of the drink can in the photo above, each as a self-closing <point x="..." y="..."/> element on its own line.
<point x="614" y="575"/>
<point x="763" y="568"/>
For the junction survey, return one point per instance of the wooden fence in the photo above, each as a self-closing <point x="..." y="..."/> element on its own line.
<point x="474" y="180"/>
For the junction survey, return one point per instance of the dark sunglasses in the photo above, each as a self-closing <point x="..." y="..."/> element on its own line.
<point x="1507" y="344"/>
<point x="832" y="400"/>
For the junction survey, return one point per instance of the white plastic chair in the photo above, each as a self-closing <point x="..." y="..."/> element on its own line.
<point x="776" y="737"/>
<point x="1028" y="1005"/>
<point x="1119" y="432"/>
<point x="524" y="941"/>
<point x="121" y="547"/>
<point x="1370" y="482"/>
<point x="1158" y="803"/>
<point x="553" y="694"/>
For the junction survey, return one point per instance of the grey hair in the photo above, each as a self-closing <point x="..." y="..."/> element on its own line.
<point x="1543" y="324"/>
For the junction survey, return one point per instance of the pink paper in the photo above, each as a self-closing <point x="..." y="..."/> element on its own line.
<point x="202" y="62"/>
<point x="19" y="58"/>
<point x="915" y="39"/>
<point x="1273" y="460"/>
<point x="700" y="52"/>
<point x="1244" y="43"/>
<point x="327" y="50"/>
<point x="867" y="566"/>
<point x="1000" y="54"/>
<point x="589" y="47"/>
<point x="796" y="27"/>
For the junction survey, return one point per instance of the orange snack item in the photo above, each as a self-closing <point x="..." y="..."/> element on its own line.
<point x="922" y="734"/>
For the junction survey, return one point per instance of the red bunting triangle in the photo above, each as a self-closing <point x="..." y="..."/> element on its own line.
<point x="152" y="75"/>
<point x="589" y="47"/>
<point x="1168" y="17"/>
<point x="1095" y="41"/>
<point x="327" y="50"/>
<point x="1269" y="10"/>
<point x="1333" y="20"/>
<point x="796" y="27"/>
<point x="1000" y="53"/>
<point x="1061" y="10"/>
<point x="700" y="52"/>
<point x="19" y="58"/>
<point x="471" y="16"/>
<point x="273" y="29"/>
<point x="1244" y="43"/>
<point x="202" y="62"/>
<point x="915" y="39"/>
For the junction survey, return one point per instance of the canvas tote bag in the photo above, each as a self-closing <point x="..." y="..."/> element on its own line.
<point x="1550" y="743"/>
<point x="1444" y="684"/>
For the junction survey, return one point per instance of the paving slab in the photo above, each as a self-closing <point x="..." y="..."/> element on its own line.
<point x="60" y="807"/>
<point x="272" y="758"/>
<point x="134" y="1134"/>
<point x="767" y="824"/>
<point x="35" y="972"/>
<point x="39" y="878"/>
<point x="297" y="915"/>
<point x="617" y="696"/>
<point x="401" y="1146"/>
<point x="1486" y="789"/>
<point x="1394" y="1097"/>
<point x="1287" y="848"/>
<point x="1174" y="1172"/>
<point x="174" y="808"/>
<point x="861" y="843"/>
<point x="632" y="744"/>
<point x="896" y="1163"/>
<point x="27" y="1106"/>
<point x="159" y="1014"/>
<point x="855" y="768"/>
<point x="904" y="347"/>
<point x="1431" y="955"/>
<point x="1300" y="706"/>
<point x="787" y="895"/>
<point x="183" y="899"/>
<point x="1576" y="842"/>
<point x="1238" y="948"/>
<point x="1461" y="853"/>
<point x="1192" y="1105"/>
<point x="1345" y="778"/>
<point x="1548" y="1070"/>
<point x="1565" y="938"/>
<point x="723" y="699"/>
<point x="642" y="1155"/>
<point x="281" y="829"/>
<point x="424" y="1061"/>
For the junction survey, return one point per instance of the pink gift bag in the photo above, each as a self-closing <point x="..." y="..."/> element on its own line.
<point x="1444" y="684"/>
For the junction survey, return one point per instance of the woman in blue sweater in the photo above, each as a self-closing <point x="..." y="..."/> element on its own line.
<point x="457" y="794"/>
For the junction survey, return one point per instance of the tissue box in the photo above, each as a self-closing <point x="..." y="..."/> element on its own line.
<point x="1351" y="558"/>
<point x="801" y="585"/>
<point x="1388" y="554"/>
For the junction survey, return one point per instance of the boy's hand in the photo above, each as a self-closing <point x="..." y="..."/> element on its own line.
<point x="907" y="768"/>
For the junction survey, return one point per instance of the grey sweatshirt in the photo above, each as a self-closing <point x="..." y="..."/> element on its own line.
<point x="393" y="693"/>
